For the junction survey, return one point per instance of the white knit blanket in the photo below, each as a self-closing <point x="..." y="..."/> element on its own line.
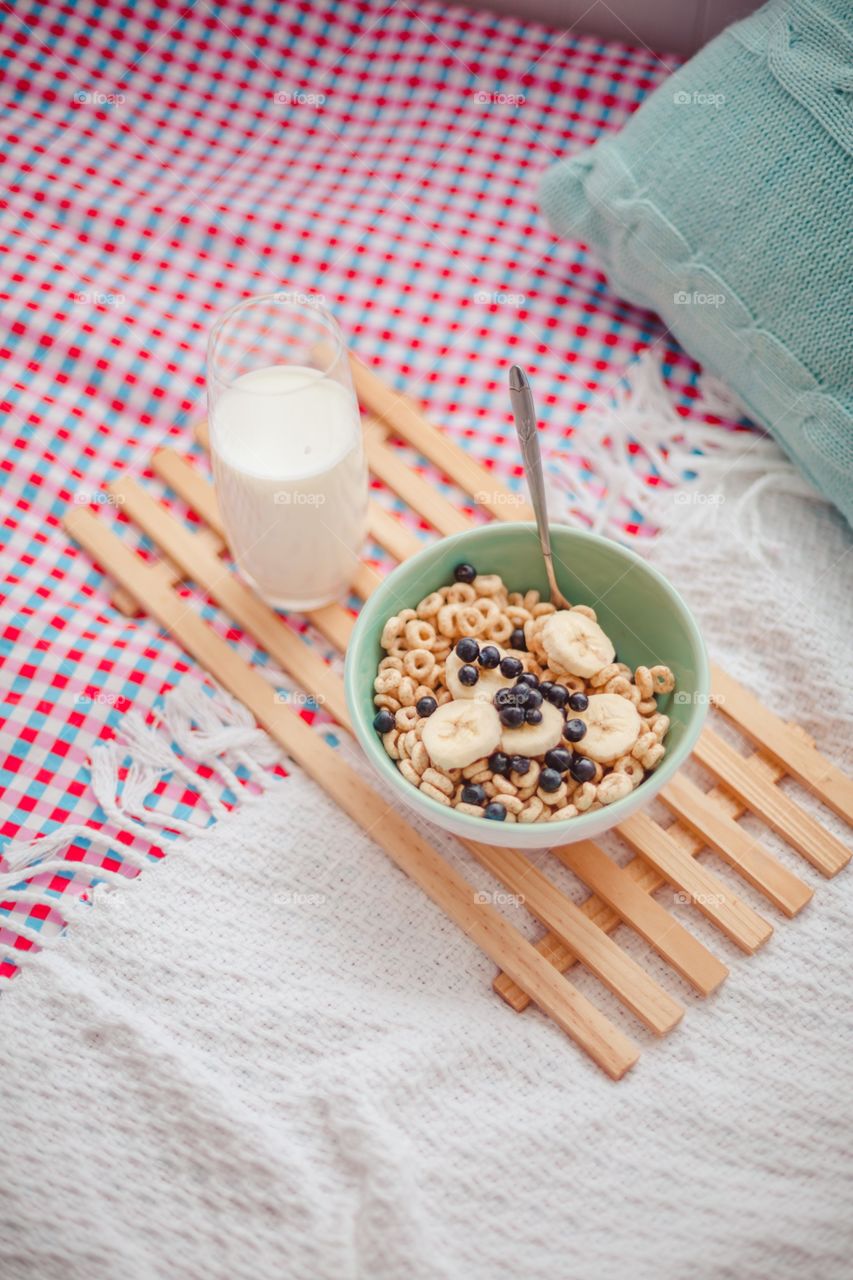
<point x="316" y="1082"/>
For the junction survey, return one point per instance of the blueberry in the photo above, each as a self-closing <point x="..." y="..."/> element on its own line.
<point x="511" y="717"/>
<point x="511" y="667"/>
<point x="425" y="706"/>
<point x="534" y="697"/>
<point x="527" y="677"/>
<point x="464" y="573"/>
<point x="545" y="687"/>
<point x="489" y="656"/>
<point x="558" y="696"/>
<point x="474" y="793"/>
<point x="582" y="769"/>
<point x="558" y="758"/>
<point x="499" y="763"/>
<point x="550" y="780"/>
<point x="495" y="811"/>
<point x="517" y="640"/>
<point x="468" y="649"/>
<point x="468" y="675"/>
<point x="383" y="721"/>
<point x="578" y="701"/>
<point x="574" y="730"/>
<point x="521" y="695"/>
<point x="505" y="698"/>
<point x="533" y="715"/>
<point x="519" y="764"/>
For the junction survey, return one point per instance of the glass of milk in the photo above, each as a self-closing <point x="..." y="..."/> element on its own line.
<point x="286" y="443"/>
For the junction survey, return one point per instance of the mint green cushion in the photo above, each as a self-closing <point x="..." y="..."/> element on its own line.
<point x="725" y="205"/>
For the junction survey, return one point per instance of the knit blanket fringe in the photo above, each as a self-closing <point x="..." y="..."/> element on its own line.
<point x="199" y="724"/>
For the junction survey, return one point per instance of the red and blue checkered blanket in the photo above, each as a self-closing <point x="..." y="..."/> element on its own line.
<point x="164" y="159"/>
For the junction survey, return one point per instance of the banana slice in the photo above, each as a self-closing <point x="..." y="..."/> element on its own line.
<point x="534" y="739"/>
<point x="486" y="687"/>
<point x="460" y="732"/>
<point x="613" y="726"/>
<point x="575" y="644"/>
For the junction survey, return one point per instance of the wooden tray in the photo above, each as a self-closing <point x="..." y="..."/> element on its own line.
<point x="618" y="894"/>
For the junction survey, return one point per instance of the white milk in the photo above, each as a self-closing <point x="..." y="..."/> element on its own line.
<point x="291" y="482"/>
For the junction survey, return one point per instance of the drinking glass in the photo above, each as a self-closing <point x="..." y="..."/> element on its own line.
<point x="286" y="443"/>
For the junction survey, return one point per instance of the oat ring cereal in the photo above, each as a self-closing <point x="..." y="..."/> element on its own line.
<point x="499" y="629"/>
<point x="392" y="629"/>
<point x="623" y="686"/>
<point x="662" y="679"/>
<point x="419" y="633"/>
<point x="644" y="682"/>
<point x="614" y="787"/>
<point x="406" y="718"/>
<point x="469" y="621"/>
<point x="659" y="726"/>
<point x="487" y="608"/>
<point x="387" y="681"/>
<point x="447" y="620"/>
<point x="405" y="691"/>
<point x="386" y="700"/>
<point x="488" y="584"/>
<point x="419" y="664"/>
<point x="430" y="605"/>
<point x="461" y="593"/>
<point x="632" y="769"/>
<point x="504" y="707"/>
<point x="653" y="756"/>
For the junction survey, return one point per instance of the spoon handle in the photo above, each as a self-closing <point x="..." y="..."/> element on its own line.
<point x="524" y="412"/>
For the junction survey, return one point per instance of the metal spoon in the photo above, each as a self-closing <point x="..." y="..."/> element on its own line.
<point x="528" y="437"/>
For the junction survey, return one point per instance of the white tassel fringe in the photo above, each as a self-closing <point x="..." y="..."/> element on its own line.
<point x="208" y="726"/>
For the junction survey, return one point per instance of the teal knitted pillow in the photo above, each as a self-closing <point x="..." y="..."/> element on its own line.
<point x="725" y="205"/>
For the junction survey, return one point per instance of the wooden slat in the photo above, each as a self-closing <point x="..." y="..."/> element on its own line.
<point x="210" y="532"/>
<point x="605" y="1043"/>
<point x="687" y="955"/>
<point x="418" y="493"/>
<point x="407" y="421"/>
<point x="365" y="580"/>
<point x="796" y="755"/>
<point x="817" y="845"/>
<point x="122" y="600"/>
<point x="645" y="876"/>
<point x="741" y="850"/>
<point x="185" y="479"/>
<point x="333" y="621"/>
<point x="199" y="563"/>
<point x="397" y="540"/>
<point x="594" y="948"/>
<point x="709" y="894"/>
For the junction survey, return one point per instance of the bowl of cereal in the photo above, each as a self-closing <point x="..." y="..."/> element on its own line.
<point x="506" y="721"/>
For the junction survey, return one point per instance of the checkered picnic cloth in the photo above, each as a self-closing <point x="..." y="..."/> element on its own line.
<point x="164" y="160"/>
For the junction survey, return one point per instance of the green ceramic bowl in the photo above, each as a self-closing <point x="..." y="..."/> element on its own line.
<point x="644" y="616"/>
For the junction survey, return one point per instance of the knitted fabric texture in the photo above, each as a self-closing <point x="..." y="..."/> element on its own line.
<point x="316" y="1081"/>
<point x="724" y="205"/>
